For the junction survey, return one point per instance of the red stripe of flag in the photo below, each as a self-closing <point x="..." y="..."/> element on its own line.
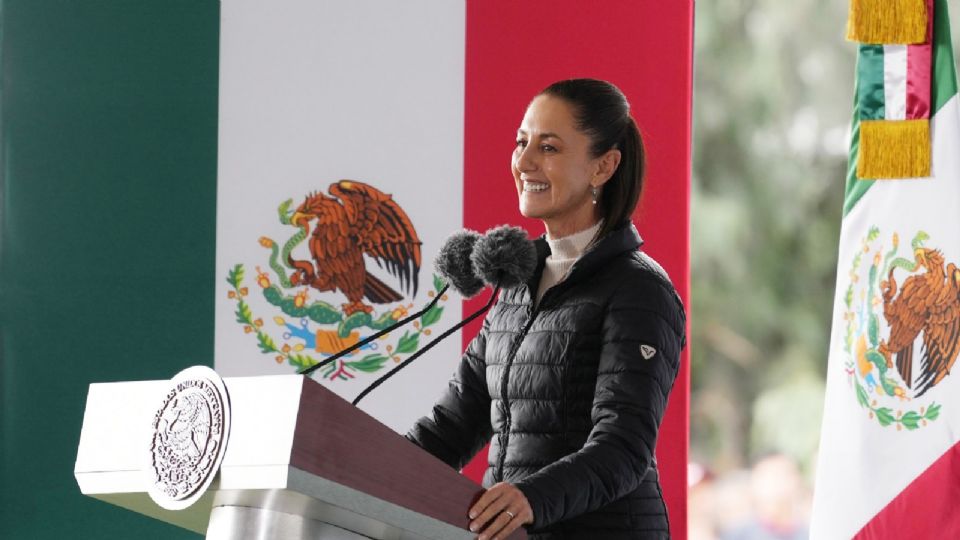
<point x="926" y="509"/>
<point x="919" y="70"/>
<point x="515" y="49"/>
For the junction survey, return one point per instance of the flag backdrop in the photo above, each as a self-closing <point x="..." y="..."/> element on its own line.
<point x="312" y="93"/>
<point x="155" y="155"/>
<point x="888" y="451"/>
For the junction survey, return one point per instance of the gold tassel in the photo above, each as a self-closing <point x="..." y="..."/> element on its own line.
<point x="894" y="149"/>
<point x="888" y="22"/>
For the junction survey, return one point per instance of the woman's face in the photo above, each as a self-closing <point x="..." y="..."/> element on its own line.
<point x="553" y="169"/>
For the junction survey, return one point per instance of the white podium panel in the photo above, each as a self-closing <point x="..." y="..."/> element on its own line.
<point x="300" y="462"/>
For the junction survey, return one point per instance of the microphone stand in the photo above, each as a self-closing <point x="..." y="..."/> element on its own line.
<point x="428" y="346"/>
<point x="392" y="327"/>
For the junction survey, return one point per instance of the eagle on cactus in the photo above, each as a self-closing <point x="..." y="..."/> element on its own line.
<point x="926" y="304"/>
<point x="356" y="220"/>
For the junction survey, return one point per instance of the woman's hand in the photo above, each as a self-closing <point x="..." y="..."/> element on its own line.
<point x="500" y="511"/>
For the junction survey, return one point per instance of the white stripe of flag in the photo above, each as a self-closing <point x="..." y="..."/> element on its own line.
<point x="895" y="82"/>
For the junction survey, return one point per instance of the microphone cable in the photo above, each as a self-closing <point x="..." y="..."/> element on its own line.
<point x="428" y="346"/>
<point x="454" y="265"/>
<point x="365" y="341"/>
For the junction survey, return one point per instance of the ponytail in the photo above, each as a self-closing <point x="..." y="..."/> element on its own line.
<point x="603" y="113"/>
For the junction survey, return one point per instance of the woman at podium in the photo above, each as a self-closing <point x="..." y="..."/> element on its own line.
<point x="569" y="376"/>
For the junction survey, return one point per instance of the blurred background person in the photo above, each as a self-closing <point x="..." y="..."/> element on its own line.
<point x="780" y="503"/>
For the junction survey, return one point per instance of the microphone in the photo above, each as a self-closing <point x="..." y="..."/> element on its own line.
<point x="505" y="258"/>
<point x="454" y="266"/>
<point x="453" y="262"/>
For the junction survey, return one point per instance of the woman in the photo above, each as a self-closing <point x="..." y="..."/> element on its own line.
<point x="569" y="376"/>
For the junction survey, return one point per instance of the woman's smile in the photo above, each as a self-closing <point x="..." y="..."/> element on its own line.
<point x="553" y="168"/>
<point x="532" y="186"/>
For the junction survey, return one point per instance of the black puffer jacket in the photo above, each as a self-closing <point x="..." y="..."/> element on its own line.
<point x="572" y="392"/>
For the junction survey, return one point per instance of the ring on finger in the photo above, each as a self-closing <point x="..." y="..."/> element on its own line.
<point x="509" y="513"/>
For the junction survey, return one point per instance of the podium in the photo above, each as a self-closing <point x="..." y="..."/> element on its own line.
<point x="300" y="462"/>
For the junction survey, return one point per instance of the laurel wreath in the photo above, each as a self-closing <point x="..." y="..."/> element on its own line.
<point x="911" y="419"/>
<point x="885" y="415"/>
<point x="319" y="311"/>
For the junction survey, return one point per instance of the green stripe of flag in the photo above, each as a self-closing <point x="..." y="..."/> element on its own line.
<point x="944" y="69"/>
<point x="108" y="230"/>
<point x="855" y="189"/>
<point x="870" y="98"/>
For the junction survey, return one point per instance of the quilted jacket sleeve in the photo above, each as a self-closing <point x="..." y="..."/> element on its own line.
<point x="643" y="333"/>
<point x="459" y="424"/>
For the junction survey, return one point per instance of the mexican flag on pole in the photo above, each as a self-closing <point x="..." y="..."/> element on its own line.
<point x="889" y="443"/>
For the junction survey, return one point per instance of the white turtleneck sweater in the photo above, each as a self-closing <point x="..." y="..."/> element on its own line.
<point x="563" y="253"/>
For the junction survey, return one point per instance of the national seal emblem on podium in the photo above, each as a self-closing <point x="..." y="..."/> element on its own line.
<point x="189" y="436"/>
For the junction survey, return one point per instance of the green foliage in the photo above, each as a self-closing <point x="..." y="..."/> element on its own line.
<point x="431" y="316"/>
<point x="933" y="412"/>
<point x="408" y="343"/>
<point x="784" y="414"/>
<point x="235" y="277"/>
<point x="438" y="283"/>
<point x="862" y="395"/>
<point x="328" y="371"/>
<point x="300" y="361"/>
<point x="318" y="311"/>
<point x="910" y="419"/>
<point x="322" y="312"/>
<point x="370" y="363"/>
<point x="884" y="416"/>
<point x="243" y="313"/>
<point x="266" y="343"/>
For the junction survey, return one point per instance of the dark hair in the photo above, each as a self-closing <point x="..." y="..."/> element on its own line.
<point x="602" y="112"/>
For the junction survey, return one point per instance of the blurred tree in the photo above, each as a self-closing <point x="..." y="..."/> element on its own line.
<point x="773" y="94"/>
<point x="773" y="97"/>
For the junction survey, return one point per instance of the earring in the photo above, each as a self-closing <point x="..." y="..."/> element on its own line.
<point x="595" y="193"/>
